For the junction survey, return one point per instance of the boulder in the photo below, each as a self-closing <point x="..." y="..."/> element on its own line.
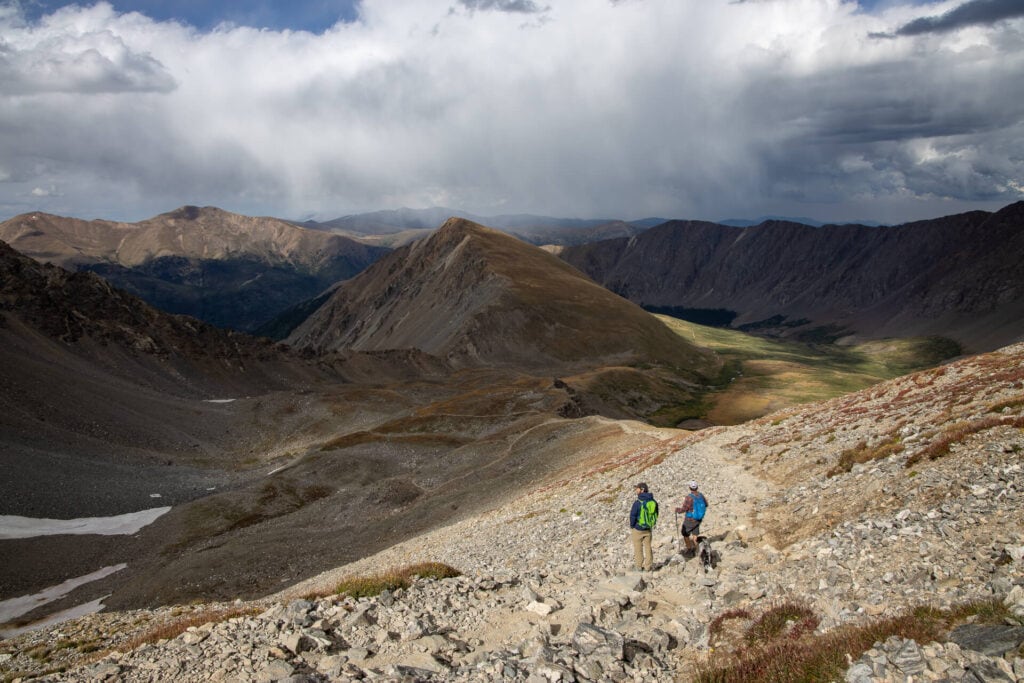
<point x="589" y="640"/>
<point x="991" y="640"/>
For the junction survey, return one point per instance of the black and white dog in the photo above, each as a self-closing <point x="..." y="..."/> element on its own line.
<point x="705" y="553"/>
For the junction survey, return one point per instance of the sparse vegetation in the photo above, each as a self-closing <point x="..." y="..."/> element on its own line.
<point x="958" y="432"/>
<point x="780" y="647"/>
<point x="83" y="646"/>
<point x="862" y="453"/>
<point x="717" y="626"/>
<point x="180" y="624"/>
<point x="359" y="438"/>
<point x="368" y="586"/>
<point x="790" y="620"/>
<point x="278" y="497"/>
<point x="1009" y="404"/>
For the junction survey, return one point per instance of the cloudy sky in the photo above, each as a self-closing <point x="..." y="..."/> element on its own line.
<point x="890" y="110"/>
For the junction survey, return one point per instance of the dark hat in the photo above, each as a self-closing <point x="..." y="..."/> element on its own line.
<point x="643" y="487"/>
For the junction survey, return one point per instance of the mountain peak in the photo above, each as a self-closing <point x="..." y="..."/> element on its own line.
<point x="456" y="229"/>
<point x="463" y="226"/>
<point x="473" y="295"/>
<point x="190" y="212"/>
<point x="187" y="212"/>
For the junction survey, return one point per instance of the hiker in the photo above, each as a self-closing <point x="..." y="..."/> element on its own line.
<point x="642" y="518"/>
<point x="693" y="506"/>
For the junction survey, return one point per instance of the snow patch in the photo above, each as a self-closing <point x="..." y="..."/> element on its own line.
<point x="15" y="607"/>
<point x="57" y="617"/>
<point x="12" y="526"/>
<point x="220" y="400"/>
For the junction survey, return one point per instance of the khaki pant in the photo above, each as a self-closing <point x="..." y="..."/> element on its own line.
<point x="643" y="556"/>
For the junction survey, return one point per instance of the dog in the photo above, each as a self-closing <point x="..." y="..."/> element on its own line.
<point x="705" y="553"/>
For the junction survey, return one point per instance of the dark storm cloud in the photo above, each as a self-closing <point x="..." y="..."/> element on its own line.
<point x="523" y="6"/>
<point x="872" y="103"/>
<point x="970" y="13"/>
<point x="688" y="108"/>
<point x="862" y="132"/>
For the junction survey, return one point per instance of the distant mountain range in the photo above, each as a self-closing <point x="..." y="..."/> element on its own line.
<point x="960" y="276"/>
<point x="229" y="270"/>
<point x="397" y="227"/>
<point x="243" y="272"/>
<point x="747" y="222"/>
<point x="956" y="276"/>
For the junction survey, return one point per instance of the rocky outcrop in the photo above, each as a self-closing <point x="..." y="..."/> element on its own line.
<point x="901" y="659"/>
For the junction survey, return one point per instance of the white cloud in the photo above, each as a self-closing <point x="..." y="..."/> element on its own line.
<point x="688" y="108"/>
<point x="76" y="51"/>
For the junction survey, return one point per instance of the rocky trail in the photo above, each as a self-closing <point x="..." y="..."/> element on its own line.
<point x="839" y="506"/>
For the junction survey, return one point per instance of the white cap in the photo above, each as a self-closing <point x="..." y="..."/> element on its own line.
<point x="693" y="485"/>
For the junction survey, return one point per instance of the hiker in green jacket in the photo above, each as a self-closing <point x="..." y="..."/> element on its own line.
<point x="642" y="518"/>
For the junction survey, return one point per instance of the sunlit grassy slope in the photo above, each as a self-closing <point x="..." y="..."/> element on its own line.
<point x="763" y="375"/>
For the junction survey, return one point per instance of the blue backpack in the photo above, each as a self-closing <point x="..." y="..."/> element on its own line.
<point x="700" y="506"/>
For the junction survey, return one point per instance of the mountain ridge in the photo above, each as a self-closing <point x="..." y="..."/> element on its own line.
<point x="954" y="276"/>
<point x="230" y="270"/>
<point x="188" y="231"/>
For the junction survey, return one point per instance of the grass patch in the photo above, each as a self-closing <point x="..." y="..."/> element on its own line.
<point x="369" y="586"/>
<point x="174" y="628"/>
<point x="718" y="624"/>
<point x="660" y="397"/>
<point x="672" y="415"/>
<point x="760" y="376"/>
<point x="1009" y="404"/>
<point x="789" y="620"/>
<point x="862" y="453"/>
<point x="780" y="645"/>
<point x="82" y="646"/>
<point x="40" y="653"/>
